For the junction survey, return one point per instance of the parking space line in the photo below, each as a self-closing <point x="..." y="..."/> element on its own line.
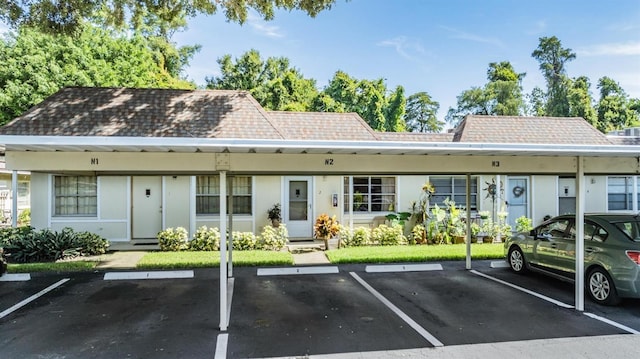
<point x="535" y="294"/>
<point x="611" y="322"/>
<point x="391" y="268"/>
<point x="423" y="332"/>
<point x="148" y="275"/>
<point x="15" y="277"/>
<point x="499" y="264"/>
<point x="300" y="270"/>
<point x="33" y="297"/>
<point x="221" y="346"/>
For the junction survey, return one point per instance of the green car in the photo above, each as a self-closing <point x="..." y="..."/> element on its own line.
<point x="611" y="253"/>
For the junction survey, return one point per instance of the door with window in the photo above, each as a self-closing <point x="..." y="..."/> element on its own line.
<point x="297" y="212"/>
<point x="146" y="203"/>
<point x="517" y="199"/>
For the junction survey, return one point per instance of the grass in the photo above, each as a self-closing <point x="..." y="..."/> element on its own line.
<point x="69" y="266"/>
<point x="173" y="260"/>
<point x="418" y="253"/>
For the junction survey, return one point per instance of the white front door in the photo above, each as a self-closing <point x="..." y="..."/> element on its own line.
<point x="517" y="199"/>
<point x="297" y="211"/>
<point x="146" y="202"/>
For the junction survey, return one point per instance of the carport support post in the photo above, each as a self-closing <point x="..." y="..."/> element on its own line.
<point x="223" y="252"/>
<point x="468" y="204"/>
<point x="14" y="199"/>
<point x="579" y="302"/>
<point x="230" y="210"/>
<point x="351" y="202"/>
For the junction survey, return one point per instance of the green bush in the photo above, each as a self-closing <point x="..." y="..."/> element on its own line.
<point x="524" y="224"/>
<point x="272" y="238"/>
<point x="206" y="239"/>
<point x="92" y="244"/>
<point x="244" y="241"/>
<point x="418" y="234"/>
<point x="24" y="218"/>
<point x="10" y="234"/>
<point x="173" y="239"/>
<point x="388" y="235"/>
<point x="357" y="237"/>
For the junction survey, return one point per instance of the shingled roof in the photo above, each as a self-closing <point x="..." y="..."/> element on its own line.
<point x="126" y="112"/>
<point x="539" y="130"/>
<point x="329" y="126"/>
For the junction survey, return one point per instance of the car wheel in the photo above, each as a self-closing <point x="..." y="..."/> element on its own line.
<point x="516" y="260"/>
<point x="601" y="288"/>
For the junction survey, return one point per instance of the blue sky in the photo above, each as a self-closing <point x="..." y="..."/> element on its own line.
<point x="440" y="47"/>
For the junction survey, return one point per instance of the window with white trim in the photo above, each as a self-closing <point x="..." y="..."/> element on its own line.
<point x="371" y="194"/>
<point x="208" y="195"/>
<point x="621" y="191"/>
<point x="454" y="188"/>
<point x="75" y="196"/>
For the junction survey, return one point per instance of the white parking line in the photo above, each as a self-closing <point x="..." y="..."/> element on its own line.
<point x="33" y="297"/>
<point x="423" y="332"/>
<point x="535" y="294"/>
<point x="300" y="270"/>
<point x="499" y="264"/>
<point x="221" y="346"/>
<point x="148" y="275"/>
<point x="391" y="268"/>
<point x="611" y="322"/>
<point x="15" y="277"/>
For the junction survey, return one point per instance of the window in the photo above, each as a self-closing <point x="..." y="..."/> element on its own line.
<point x="75" y="196"/>
<point x="555" y="229"/>
<point x="592" y="232"/>
<point x="620" y="193"/>
<point x="454" y="188"/>
<point x="371" y="194"/>
<point x="208" y="195"/>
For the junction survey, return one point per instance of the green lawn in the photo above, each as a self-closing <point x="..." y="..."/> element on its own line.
<point x="417" y="253"/>
<point x="169" y="260"/>
<point x="69" y="266"/>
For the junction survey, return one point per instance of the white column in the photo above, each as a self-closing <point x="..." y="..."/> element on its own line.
<point x="14" y="199"/>
<point x="224" y="321"/>
<point x="468" y="204"/>
<point x="498" y="206"/>
<point x="580" y="204"/>
<point x="230" y="210"/>
<point x="351" y="202"/>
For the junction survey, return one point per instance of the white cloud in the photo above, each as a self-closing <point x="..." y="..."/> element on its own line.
<point x="404" y="47"/>
<point x="263" y="28"/>
<point x="611" y="49"/>
<point x="458" y="34"/>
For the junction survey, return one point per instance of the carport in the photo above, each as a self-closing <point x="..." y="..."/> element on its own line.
<point x="230" y="157"/>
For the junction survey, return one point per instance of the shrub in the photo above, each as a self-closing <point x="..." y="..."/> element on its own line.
<point x="326" y="227"/>
<point x="419" y="234"/>
<point x="244" y="241"/>
<point x="173" y="239"/>
<point x="272" y="238"/>
<point x="206" y="239"/>
<point x="357" y="237"/>
<point x="524" y="224"/>
<point x="10" y="234"/>
<point x="91" y="244"/>
<point x="24" y="218"/>
<point x="388" y="235"/>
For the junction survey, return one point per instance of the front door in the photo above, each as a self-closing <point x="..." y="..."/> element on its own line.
<point x="146" y="203"/>
<point x="517" y="199"/>
<point x="297" y="213"/>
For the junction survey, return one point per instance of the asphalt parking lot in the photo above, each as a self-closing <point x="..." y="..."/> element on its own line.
<point x="355" y="308"/>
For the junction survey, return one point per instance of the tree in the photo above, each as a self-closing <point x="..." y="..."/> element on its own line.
<point x="580" y="101"/>
<point x="615" y="110"/>
<point x="34" y="65"/>
<point x="67" y="16"/>
<point x="552" y="58"/>
<point x="421" y="113"/>
<point x="273" y="83"/>
<point x="395" y="111"/>
<point x="537" y="101"/>
<point x="501" y="96"/>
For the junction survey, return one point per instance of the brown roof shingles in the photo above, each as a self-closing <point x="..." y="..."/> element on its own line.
<point x="328" y="126"/>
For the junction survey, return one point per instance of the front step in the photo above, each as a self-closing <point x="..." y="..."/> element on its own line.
<point x="303" y="246"/>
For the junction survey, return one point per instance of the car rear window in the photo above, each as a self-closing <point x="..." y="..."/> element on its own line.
<point x="631" y="228"/>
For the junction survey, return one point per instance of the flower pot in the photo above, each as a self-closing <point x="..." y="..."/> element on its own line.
<point x="275" y="223"/>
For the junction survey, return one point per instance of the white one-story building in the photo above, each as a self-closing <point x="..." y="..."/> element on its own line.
<point x="127" y="163"/>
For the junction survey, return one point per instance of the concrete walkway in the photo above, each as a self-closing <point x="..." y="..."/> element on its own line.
<point x="310" y="258"/>
<point x="120" y="259"/>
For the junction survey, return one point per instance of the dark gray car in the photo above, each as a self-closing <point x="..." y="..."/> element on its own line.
<point x="611" y="258"/>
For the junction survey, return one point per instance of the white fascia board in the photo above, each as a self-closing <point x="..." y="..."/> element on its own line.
<point x="158" y="144"/>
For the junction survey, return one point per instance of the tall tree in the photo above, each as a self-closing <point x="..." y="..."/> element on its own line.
<point x="537" y="101"/>
<point x="501" y="96"/>
<point x="67" y="16"/>
<point x="395" y="111"/>
<point x="273" y="83"/>
<point x="615" y="110"/>
<point x="34" y="65"/>
<point x="421" y="113"/>
<point x="580" y="100"/>
<point x="553" y="58"/>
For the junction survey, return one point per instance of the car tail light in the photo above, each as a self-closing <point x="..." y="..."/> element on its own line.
<point x="634" y="256"/>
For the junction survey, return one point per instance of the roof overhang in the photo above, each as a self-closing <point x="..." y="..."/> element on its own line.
<point x="192" y="145"/>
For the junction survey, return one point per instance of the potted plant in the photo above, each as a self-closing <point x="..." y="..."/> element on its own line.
<point x="325" y="228"/>
<point x="274" y="215"/>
